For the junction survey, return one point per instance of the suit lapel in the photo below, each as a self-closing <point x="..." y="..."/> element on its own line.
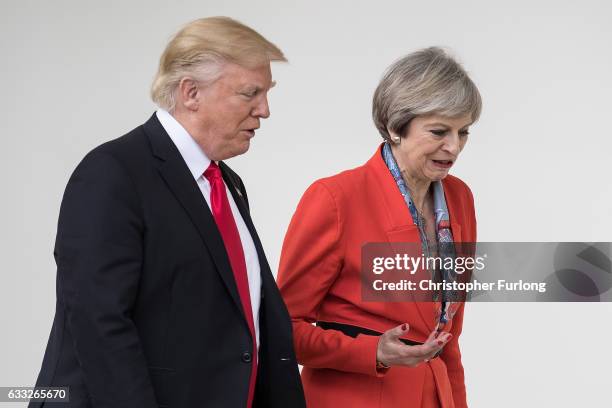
<point x="179" y="180"/>
<point x="239" y="199"/>
<point x="270" y="295"/>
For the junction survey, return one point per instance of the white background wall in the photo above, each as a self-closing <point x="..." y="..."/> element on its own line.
<point x="77" y="73"/>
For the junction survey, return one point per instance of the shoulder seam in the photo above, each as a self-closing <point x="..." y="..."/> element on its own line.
<point x="339" y="229"/>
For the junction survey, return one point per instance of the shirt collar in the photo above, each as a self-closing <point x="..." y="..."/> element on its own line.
<point x="191" y="152"/>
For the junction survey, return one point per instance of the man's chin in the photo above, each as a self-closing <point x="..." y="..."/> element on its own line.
<point x="239" y="150"/>
<point x="243" y="148"/>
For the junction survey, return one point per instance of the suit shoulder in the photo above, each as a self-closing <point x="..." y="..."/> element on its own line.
<point x="127" y="150"/>
<point x="129" y="146"/>
<point x="115" y="159"/>
<point x="338" y="187"/>
<point x="343" y="180"/>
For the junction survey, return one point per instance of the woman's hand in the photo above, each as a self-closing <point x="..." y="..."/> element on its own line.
<point x="392" y="352"/>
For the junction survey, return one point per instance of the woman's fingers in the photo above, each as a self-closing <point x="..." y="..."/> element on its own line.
<point x="397" y="332"/>
<point x="438" y="342"/>
<point x="429" y="349"/>
<point x="391" y="351"/>
<point x="426" y="351"/>
<point x="443" y="338"/>
<point x="431" y="336"/>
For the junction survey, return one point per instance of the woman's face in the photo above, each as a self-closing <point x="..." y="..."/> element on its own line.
<point x="431" y="146"/>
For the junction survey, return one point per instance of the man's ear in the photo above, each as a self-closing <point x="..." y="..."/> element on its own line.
<point x="189" y="94"/>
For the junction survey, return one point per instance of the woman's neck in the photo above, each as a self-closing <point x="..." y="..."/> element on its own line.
<point x="419" y="190"/>
<point x="419" y="187"/>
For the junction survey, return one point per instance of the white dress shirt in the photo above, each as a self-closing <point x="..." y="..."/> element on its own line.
<point x="197" y="162"/>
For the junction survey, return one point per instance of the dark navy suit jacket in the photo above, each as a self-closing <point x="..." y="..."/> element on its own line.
<point x="148" y="314"/>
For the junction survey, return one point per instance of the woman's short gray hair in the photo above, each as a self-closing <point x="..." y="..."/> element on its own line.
<point x="424" y="82"/>
<point x="200" y="49"/>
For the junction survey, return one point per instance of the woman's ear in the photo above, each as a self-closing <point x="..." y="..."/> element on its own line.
<point x="394" y="137"/>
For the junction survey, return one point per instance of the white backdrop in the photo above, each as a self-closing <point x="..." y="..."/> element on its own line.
<point x="77" y="73"/>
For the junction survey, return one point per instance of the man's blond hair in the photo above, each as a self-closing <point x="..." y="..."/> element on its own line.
<point x="199" y="51"/>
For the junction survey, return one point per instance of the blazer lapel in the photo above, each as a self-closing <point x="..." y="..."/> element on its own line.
<point x="179" y="180"/>
<point x="401" y="227"/>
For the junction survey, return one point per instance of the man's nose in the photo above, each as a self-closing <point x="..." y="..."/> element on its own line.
<point x="262" y="109"/>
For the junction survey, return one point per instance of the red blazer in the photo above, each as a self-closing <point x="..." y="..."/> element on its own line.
<point x="319" y="278"/>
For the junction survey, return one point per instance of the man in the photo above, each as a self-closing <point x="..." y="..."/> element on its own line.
<point x="164" y="294"/>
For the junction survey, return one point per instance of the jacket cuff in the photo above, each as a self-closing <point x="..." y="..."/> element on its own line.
<point x="363" y="351"/>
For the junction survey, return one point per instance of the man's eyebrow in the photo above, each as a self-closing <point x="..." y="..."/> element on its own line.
<point x="259" y="88"/>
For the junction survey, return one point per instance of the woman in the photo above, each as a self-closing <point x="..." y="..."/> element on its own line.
<point x="383" y="354"/>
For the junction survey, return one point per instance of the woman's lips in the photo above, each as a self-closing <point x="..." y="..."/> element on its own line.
<point x="443" y="164"/>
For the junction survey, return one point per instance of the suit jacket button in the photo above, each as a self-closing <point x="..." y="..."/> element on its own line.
<point x="246" y="357"/>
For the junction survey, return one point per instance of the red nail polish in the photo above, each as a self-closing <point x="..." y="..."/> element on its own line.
<point x="403" y="327"/>
<point x="440" y="342"/>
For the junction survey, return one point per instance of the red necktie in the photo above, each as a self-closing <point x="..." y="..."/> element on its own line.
<point x="231" y="238"/>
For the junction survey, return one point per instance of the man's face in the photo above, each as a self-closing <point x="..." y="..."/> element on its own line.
<point x="229" y="110"/>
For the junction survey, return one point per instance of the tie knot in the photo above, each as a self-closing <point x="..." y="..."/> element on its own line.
<point x="213" y="171"/>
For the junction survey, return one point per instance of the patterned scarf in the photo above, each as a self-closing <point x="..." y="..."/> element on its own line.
<point x="446" y="249"/>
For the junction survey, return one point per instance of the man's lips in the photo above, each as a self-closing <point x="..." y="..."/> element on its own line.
<point x="250" y="131"/>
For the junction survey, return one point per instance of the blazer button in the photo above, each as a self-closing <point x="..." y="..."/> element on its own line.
<point x="246" y="357"/>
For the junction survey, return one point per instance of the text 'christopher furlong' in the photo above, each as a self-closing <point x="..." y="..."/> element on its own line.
<point x="429" y="285"/>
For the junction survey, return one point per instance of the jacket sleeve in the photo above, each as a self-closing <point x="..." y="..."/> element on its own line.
<point x="452" y="354"/>
<point x="98" y="252"/>
<point x="311" y="261"/>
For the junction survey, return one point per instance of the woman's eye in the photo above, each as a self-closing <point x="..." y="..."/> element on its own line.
<point x="443" y="132"/>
